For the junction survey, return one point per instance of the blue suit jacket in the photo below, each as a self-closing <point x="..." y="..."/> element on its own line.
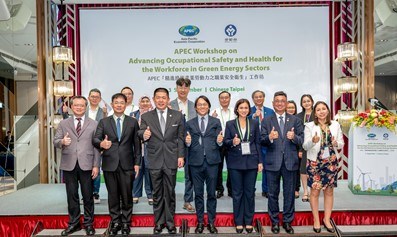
<point x="234" y="159"/>
<point x="208" y="142"/>
<point x="267" y="111"/>
<point x="281" y="146"/>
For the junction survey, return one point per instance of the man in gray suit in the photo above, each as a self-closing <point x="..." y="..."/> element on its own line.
<point x="79" y="162"/>
<point x="117" y="136"/>
<point x="163" y="131"/>
<point x="186" y="107"/>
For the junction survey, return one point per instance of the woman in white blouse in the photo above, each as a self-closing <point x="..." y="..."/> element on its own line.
<point x="323" y="139"/>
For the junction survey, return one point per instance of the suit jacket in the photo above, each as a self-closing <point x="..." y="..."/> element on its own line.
<point x="282" y="148"/>
<point x="266" y="112"/>
<point x="208" y="142"/>
<point x="190" y="108"/>
<point x="99" y="114"/>
<point x="164" y="149"/>
<point x="127" y="152"/>
<point x="301" y="116"/>
<point x="81" y="149"/>
<point x="235" y="159"/>
<point x="313" y="148"/>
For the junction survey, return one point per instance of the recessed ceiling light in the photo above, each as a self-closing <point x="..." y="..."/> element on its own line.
<point x="383" y="40"/>
<point x="28" y="44"/>
<point x="381" y="73"/>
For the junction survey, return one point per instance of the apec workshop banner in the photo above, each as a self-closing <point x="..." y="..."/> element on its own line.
<point x="372" y="161"/>
<point x="234" y="49"/>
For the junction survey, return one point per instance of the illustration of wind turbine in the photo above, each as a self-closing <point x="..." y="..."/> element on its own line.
<point x="362" y="174"/>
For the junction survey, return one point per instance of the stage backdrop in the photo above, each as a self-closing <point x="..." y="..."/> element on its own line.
<point x="234" y="49"/>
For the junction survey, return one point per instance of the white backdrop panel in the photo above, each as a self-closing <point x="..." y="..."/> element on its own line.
<point x="283" y="48"/>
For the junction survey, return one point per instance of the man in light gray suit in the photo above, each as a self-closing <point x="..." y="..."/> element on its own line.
<point x="186" y="107"/>
<point x="80" y="164"/>
<point x="163" y="131"/>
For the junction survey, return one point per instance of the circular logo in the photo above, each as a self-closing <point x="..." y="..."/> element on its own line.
<point x="230" y="30"/>
<point x="385" y="135"/>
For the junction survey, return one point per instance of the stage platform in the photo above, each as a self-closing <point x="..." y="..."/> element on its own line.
<point x="46" y="203"/>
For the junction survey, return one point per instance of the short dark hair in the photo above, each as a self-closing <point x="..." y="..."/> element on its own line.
<point x="183" y="81"/>
<point x="238" y="103"/>
<point x="227" y="92"/>
<point x="95" y="90"/>
<point x="119" y="95"/>
<point x="280" y="93"/>
<point x="129" y="88"/>
<point x="308" y="96"/>
<point x="253" y="93"/>
<point x="78" y="97"/>
<point x="206" y="100"/>
<point x="315" y="119"/>
<point x="293" y="102"/>
<point x="161" y="89"/>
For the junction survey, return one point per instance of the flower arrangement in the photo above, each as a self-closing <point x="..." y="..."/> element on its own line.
<point x="378" y="118"/>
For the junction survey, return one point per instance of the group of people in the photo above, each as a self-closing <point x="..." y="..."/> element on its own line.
<point x="135" y="143"/>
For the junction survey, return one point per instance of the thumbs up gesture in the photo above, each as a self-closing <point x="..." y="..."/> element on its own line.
<point x="236" y="140"/>
<point x="291" y="134"/>
<point x="334" y="142"/>
<point x="256" y="114"/>
<point x="219" y="138"/>
<point x="188" y="139"/>
<point x="65" y="108"/>
<point x="273" y="134"/>
<point x="214" y="114"/>
<point x="147" y="134"/>
<point x="66" y="140"/>
<point x="315" y="138"/>
<point x="106" y="144"/>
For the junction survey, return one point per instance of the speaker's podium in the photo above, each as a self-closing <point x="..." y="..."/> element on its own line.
<point x="372" y="163"/>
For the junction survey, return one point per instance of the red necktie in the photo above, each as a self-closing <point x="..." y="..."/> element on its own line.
<point x="78" y="127"/>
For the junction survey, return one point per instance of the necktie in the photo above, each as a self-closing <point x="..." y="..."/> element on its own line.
<point x="78" y="127"/>
<point x="162" y="121"/>
<point x="118" y="126"/>
<point x="281" y="125"/>
<point x="202" y="125"/>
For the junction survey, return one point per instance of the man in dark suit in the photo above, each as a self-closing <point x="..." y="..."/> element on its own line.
<point x="163" y="131"/>
<point x="186" y="107"/>
<point x="281" y="133"/>
<point x="80" y="164"/>
<point x="258" y="112"/>
<point x="204" y="139"/>
<point x="117" y="136"/>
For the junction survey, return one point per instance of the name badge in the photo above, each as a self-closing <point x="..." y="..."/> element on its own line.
<point x="245" y="148"/>
<point x="326" y="152"/>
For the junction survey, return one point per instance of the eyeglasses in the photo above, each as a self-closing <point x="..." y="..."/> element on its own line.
<point x="202" y="105"/>
<point x="280" y="101"/>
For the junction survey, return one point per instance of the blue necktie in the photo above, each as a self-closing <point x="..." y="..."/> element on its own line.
<point x="282" y="125"/>
<point x="118" y="129"/>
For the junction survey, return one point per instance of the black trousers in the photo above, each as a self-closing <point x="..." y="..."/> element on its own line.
<point x="163" y="183"/>
<point x="219" y="183"/>
<point x="72" y="180"/>
<point x="119" y="185"/>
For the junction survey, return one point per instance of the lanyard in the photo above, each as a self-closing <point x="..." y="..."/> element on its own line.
<point x="240" y="132"/>
<point x="228" y="117"/>
<point x="304" y="118"/>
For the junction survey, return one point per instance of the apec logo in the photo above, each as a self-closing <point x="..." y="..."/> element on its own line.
<point x="189" y="30"/>
<point x="371" y="135"/>
<point x="385" y="136"/>
<point x="230" y="30"/>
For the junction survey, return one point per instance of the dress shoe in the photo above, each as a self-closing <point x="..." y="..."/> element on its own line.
<point x="219" y="194"/>
<point x="330" y="230"/>
<point x="239" y="230"/>
<point x="158" y="229"/>
<point x="265" y="194"/>
<point x="71" y="230"/>
<point x="212" y="229"/>
<point x="199" y="229"/>
<point x="115" y="228"/>
<point x="188" y="207"/>
<point x="316" y="230"/>
<point x="135" y="200"/>
<point x="275" y="228"/>
<point x="150" y="201"/>
<point x="171" y="230"/>
<point x="125" y="230"/>
<point x="89" y="230"/>
<point x="249" y="229"/>
<point x="288" y="228"/>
